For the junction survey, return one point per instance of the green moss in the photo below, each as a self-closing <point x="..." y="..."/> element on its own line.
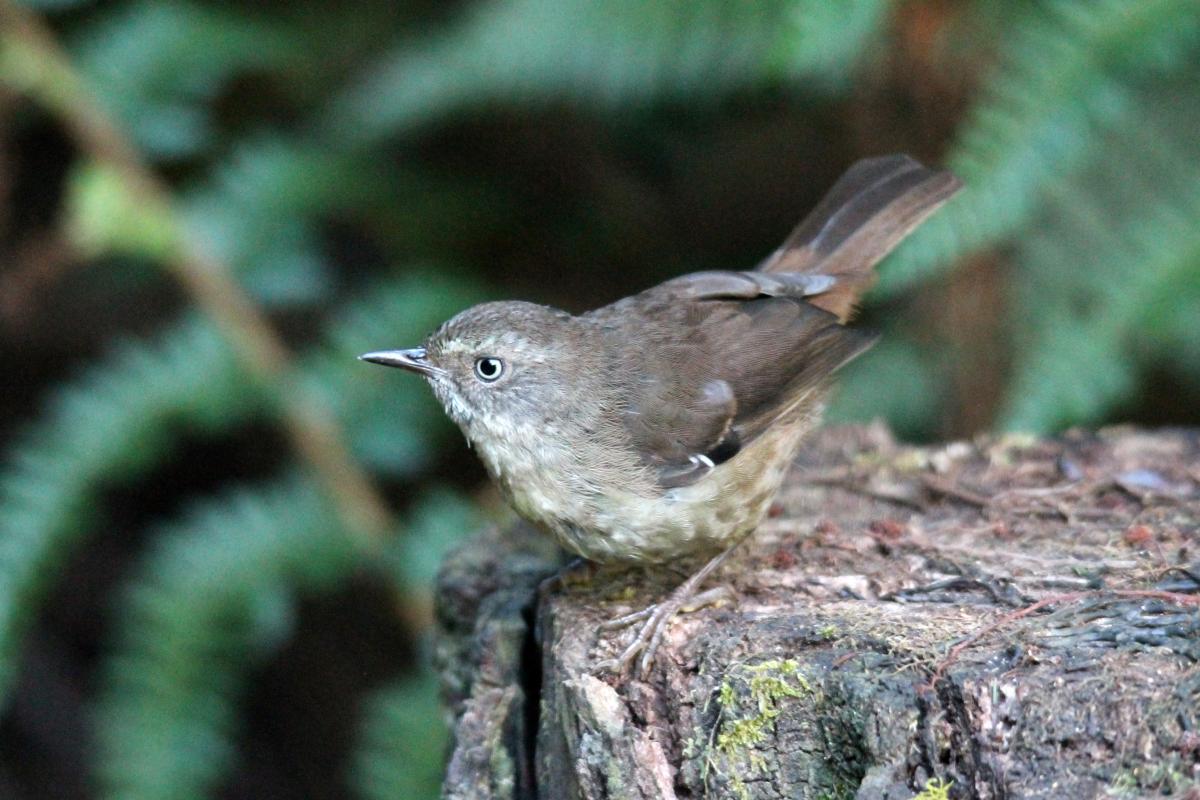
<point x="1165" y="778"/>
<point x="740" y="744"/>
<point x="935" y="789"/>
<point x="1123" y="784"/>
<point x="769" y="682"/>
<point x="751" y="696"/>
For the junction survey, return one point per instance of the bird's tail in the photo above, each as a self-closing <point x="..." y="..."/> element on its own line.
<point x="868" y="212"/>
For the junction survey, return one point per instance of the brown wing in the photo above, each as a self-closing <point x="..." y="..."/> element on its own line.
<point x="705" y="373"/>
<point x="711" y="359"/>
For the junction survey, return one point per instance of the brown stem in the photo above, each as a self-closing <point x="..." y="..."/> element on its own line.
<point x="313" y="432"/>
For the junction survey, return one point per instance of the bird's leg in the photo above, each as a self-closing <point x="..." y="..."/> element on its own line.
<point x="576" y="572"/>
<point x="657" y="616"/>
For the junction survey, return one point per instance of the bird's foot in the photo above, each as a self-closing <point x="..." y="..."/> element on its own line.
<point x="657" y="616"/>
<point x="654" y="621"/>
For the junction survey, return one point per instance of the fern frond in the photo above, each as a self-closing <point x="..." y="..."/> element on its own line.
<point x="258" y="212"/>
<point x="1070" y="72"/>
<point x="156" y="65"/>
<point x="169" y="701"/>
<point x="616" y="54"/>
<point x="393" y="423"/>
<point x="111" y="424"/>
<point x="1111" y="265"/>
<point x="122" y="417"/>
<point x="402" y="742"/>
<point x="1170" y="332"/>
<point x="214" y="595"/>
<point x="915" y="381"/>
<point x="439" y="521"/>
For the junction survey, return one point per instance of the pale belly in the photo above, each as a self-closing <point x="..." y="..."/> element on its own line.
<point x="650" y="528"/>
<point x="698" y="520"/>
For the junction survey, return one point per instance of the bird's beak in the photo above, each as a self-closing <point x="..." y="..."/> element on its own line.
<point x="414" y="360"/>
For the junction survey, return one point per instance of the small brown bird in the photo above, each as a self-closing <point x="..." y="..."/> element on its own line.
<point x="661" y="426"/>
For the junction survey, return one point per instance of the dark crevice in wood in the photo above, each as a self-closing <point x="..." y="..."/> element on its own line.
<point x="531" y="685"/>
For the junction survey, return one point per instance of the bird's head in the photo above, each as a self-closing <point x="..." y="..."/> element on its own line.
<point x="496" y="367"/>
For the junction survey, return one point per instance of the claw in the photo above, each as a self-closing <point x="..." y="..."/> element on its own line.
<point x="655" y="619"/>
<point x="628" y="619"/>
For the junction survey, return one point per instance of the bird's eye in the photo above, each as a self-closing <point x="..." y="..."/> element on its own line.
<point x="489" y="368"/>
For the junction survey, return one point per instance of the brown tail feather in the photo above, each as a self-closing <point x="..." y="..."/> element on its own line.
<point x="868" y="212"/>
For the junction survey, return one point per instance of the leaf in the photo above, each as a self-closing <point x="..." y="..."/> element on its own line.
<point x="213" y="598"/>
<point x="121" y="417"/>
<point x="441" y="520"/>
<point x="105" y="217"/>
<point x="615" y="54"/>
<point x="1111" y="262"/>
<point x="157" y="64"/>
<point x="1069" y="71"/>
<point x="258" y="213"/>
<point x="401" y="745"/>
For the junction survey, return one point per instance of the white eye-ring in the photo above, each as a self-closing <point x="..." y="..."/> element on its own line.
<point x="489" y="368"/>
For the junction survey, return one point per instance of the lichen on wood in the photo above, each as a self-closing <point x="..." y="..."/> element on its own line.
<point x="1004" y="618"/>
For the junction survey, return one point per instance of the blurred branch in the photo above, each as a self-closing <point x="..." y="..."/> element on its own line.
<point x="36" y="57"/>
<point x="36" y="262"/>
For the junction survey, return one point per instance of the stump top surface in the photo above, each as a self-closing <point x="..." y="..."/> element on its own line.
<point x="1016" y="616"/>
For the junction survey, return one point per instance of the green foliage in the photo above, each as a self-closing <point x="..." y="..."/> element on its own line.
<point x="105" y="217"/>
<point x="1069" y="72"/>
<point x="214" y="598"/>
<point x="122" y="418"/>
<point x="116" y="422"/>
<point x="158" y="65"/>
<point x="1081" y="160"/>
<point x="259" y="212"/>
<point x="439" y="521"/>
<point x="1129" y="223"/>
<point x="614" y="54"/>
<point x="403" y="744"/>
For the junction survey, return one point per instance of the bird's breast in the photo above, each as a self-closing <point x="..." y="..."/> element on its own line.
<point x="614" y="513"/>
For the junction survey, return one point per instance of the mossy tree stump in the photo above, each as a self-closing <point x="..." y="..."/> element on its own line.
<point x="1007" y="618"/>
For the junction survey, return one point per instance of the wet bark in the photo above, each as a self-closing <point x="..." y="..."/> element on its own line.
<point x="1010" y="618"/>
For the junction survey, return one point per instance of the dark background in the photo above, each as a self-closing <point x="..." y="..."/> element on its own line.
<point x="186" y="608"/>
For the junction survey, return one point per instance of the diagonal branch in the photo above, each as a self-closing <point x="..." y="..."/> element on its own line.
<point x="312" y="430"/>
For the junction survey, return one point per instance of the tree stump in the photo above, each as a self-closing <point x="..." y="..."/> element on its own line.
<point x="1008" y="618"/>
